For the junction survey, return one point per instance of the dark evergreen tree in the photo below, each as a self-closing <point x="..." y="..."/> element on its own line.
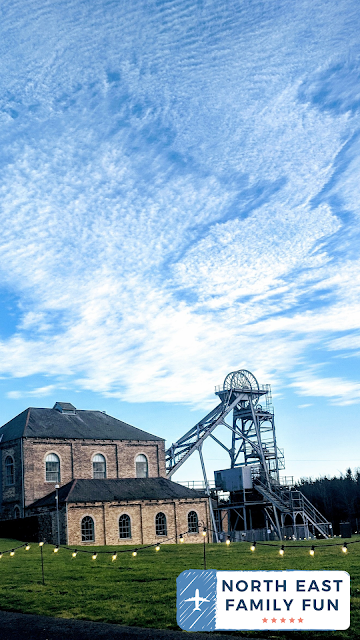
<point x="338" y="499"/>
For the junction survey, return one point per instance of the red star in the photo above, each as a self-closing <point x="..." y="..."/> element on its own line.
<point x="273" y="619"/>
<point x="292" y="619"/>
<point x="264" y="619"/>
<point x="282" y="620"/>
<point x="300" y="620"/>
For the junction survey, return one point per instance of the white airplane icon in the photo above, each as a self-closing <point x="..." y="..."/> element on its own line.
<point x="197" y="599"/>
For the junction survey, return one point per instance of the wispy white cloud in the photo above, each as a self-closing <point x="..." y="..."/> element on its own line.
<point x="173" y="191"/>
<point x="34" y="393"/>
<point x="340" y="391"/>
<point x="348" y="342"/>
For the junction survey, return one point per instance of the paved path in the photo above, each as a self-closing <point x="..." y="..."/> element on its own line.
<point x="21" y="626"/>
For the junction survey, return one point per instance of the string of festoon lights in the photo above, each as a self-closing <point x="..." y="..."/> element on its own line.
<point x="94" y="554"/>
<point x="343" y="545"/>
<point x="157" y="546"/>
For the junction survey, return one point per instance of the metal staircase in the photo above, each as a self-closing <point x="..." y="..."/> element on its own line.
<point x="293" y="502"/>
<point x="276" y="498"/>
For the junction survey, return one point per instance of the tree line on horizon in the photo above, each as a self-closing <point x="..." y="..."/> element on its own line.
<point x="337" y="498"/>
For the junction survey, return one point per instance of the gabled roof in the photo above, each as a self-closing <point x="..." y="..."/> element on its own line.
<point x="51" y="423"/>
<point x="64" y="406"/>
<point x="117" y="489"/>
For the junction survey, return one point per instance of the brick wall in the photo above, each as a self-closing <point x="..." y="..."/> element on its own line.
<point x="47" y="530"/>
<point x="76" y="461"/>
<point x="142" y="516"/>
<point x="11" y="495"/>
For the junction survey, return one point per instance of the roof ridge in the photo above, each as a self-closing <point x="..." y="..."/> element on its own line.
<point x="72" y="487"/>
<point x="27" y="420"/>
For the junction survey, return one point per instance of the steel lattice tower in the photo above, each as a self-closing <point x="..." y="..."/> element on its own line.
<point x="253" y="448"/>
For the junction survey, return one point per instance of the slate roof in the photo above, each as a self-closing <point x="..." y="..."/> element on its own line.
<point x="50" y="423"/>
<point x="117" y="489"/>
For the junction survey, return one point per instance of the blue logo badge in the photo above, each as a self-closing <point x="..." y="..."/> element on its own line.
<point x="196" y="600"/>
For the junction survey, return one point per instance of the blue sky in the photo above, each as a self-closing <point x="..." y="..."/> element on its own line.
<point x="179" y="198"/>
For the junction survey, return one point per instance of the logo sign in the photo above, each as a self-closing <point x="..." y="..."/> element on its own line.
<point x="280" y="600"/>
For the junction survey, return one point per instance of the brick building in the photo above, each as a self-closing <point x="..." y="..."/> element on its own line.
<point x="110" y="476"/>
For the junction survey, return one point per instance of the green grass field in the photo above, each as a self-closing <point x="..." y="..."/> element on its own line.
<point x="141" y="590"/>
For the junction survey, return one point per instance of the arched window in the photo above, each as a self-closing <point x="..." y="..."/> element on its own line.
<point x="160" y="524"/>
<point x="52" y="464"/>
<point x="99" y="466"/>
<point x="141" y="466"/>
<point x="87" y="529"/>
<point x="193" y="522"/>
<point x="9" y="471"/>
<point x="124" y="526"/>
<point x="16" y="512"/>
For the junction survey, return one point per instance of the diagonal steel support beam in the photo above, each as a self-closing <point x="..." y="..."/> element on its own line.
<point x="220" y="443"/>
<point x="213" y="420"/>
<point x="207" y="489"/>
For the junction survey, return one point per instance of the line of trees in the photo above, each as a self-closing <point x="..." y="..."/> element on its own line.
<point x="338" y="499"/>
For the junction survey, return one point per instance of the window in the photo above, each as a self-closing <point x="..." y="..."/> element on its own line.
<point x="160" y="524"/>
<point x="124" y="526"/>
<point x="87" y="529"/>
<point x="16" y="512"/>
<point x="9" y="471"/>
<point x="99" y="466"/>
<point x="141" y="466"/>
<point x="52" y="464"/>
<point x="193" y="522"/>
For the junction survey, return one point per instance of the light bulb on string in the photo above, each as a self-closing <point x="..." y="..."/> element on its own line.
<point x="12" y="552"/>
<point x="157" y="548"/>
<point x="74" y="553"/>
<point x="1" y="555"/>
<point x="41" y="544"/>
<point x="253" y="546"/>
<point x="227" y="542"/>
<point x="181" y="538"/>
<point x="94" y="556"/>
<point x="312" y="551"/>
<point x="56" y="549"/>
<point x="344" y="548"/>
<point x="134" y="553"/>
<point x="204" y="533"/>
<point x="282" y="550"/>
<point x="113" y="557"/>
<point x="27" y="547"/>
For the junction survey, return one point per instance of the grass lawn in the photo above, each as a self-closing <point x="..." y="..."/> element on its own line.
<point x="141" y="590"/>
